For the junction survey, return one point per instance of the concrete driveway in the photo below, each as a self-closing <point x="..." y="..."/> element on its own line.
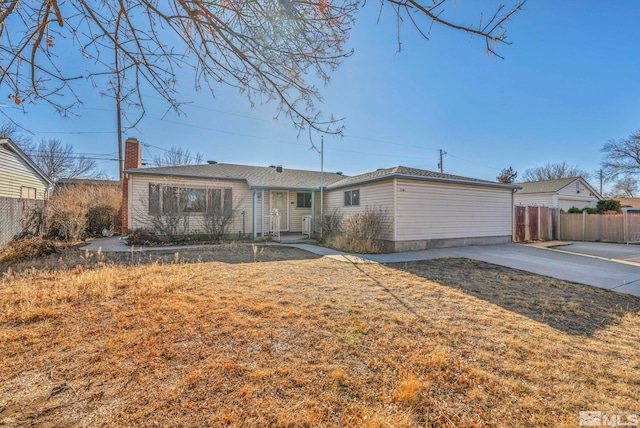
<point x="580" y="268"/>
<point x="618" y="252"/>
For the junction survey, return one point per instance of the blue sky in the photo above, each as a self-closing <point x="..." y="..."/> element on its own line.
<point x="568" y="83"/>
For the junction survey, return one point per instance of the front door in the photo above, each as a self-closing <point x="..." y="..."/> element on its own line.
<point x="280" y="202"/>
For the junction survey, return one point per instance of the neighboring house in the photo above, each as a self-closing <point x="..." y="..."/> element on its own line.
<point x="629" y="202"/>
<point x="70" y="182"/>
<point x="20" y="177"/>
<point x="563" y="193"/>
<point x="424" y="209"/>
<point x="20" y="180"/>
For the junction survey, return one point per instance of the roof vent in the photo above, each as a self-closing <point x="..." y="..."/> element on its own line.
<point x="212" y="162"/>
<point x="279" y="168"/>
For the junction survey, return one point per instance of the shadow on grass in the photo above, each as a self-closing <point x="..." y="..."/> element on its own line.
<point x="69" y="258"/>
<point x="569" y="307"/>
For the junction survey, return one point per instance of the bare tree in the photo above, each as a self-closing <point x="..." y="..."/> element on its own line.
<point x="554" y="171"/>
<point x="507" y="175"/>
<point x="268" y="49"/>
<point x="625" y="187"/>
<point x="177" y="156"/>
<point x="622" y="157"/>
<point x="15" y="133"/>
<point x="58" y="160"/>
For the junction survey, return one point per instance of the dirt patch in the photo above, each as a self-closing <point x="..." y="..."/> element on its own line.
<point x="74" y="256"/>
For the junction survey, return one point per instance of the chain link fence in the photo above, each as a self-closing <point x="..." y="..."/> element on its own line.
<point x="13" y="213"/>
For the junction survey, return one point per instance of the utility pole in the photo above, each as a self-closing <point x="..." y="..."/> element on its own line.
<point x="601" y="181"/>
<point x="321" y="182"/>
<point x="440" y="165"/>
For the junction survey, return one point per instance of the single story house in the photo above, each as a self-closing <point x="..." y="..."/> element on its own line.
<point x="423" y="209"/>
<point x="563" y="193"/>
<point x="21" y="181"/>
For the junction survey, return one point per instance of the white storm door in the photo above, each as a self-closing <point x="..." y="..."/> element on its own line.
<point x="280" y="202"/>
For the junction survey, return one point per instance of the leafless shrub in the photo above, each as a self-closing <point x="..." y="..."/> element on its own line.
<point x="171" y="225"/>
<point x="34" y="217"/>
<point x="73" y="211"/>
<point x="217" y="222"/>
<point x="331" y="224"/>
<point x="361" y="232"/>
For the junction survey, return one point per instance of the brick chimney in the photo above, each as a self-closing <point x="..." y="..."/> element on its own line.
<point x="132" y="159"/>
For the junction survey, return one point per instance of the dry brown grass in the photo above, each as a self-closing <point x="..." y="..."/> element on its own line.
<point x="310" y="342"/>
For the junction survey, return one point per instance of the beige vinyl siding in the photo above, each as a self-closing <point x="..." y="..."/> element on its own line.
<point x="568" y="196"/>
<point x="295" y="213"/>
<point x="534" y="200"/>
<point x="139" y="217"/>
<point x="444" y="211"/>
<point x="572" y="189"/>
<point x="15" y="174"/>
<point x="378" y="194"/>
<point x="566" y="203"/>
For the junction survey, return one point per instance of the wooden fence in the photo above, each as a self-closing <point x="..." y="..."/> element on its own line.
<point x="535" y="223"/>
<point x="620" y="228"/>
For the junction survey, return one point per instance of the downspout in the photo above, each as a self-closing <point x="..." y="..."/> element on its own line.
<point x="262" y="213"/>
<point x="253" y="212"/>
<point x="312" y="226"/>
<point x="513" y="215"/>
<point x="395" y="213"/>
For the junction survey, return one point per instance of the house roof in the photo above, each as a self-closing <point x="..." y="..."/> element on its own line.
<point x="551" y="186"/>
<point x="268" y="177"/>
<point x="415" y="174"/>
<point x="6" y="142"/>
<point x="255" y="176"/>
<point x="629" y="202"/>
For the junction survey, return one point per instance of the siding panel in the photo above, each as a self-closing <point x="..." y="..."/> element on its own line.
<point x="371" y="195"/>
<point x="15" y="173"/>
<point x="446" y="211"/>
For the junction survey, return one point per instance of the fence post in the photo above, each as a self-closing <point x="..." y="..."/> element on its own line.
<point x="584" y="221"/>
<point x="527" y="235"/>
<point x="539" y="225"/>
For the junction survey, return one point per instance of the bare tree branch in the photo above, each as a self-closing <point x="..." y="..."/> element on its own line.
<point x="176" y="156"/>
<point x="271" y="50"/>
<point x="554" y="171"/>
<point x="622" y="157"/>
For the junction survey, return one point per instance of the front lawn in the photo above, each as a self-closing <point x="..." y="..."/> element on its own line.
<point x="278" y="337"/>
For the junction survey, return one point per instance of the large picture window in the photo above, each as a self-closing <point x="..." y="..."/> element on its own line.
<point x="352" y="198"/>
<point x="174" y="200"/>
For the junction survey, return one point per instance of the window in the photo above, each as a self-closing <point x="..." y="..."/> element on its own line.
<point x="177" y="200"/>
<point x="352" y="198"/>
<point x="304" y="200"/>
<point x="193" y="200"/>
<point x="28" y="192"/>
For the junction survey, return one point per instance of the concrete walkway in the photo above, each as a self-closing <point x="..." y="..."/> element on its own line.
<point x="611" y="274"/>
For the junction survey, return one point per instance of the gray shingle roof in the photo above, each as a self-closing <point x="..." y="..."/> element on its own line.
<point x="414" y="173"/>
<point x="268" y="177"/>
<point x="255" y="176"/>
<point x="546" y="186"/>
